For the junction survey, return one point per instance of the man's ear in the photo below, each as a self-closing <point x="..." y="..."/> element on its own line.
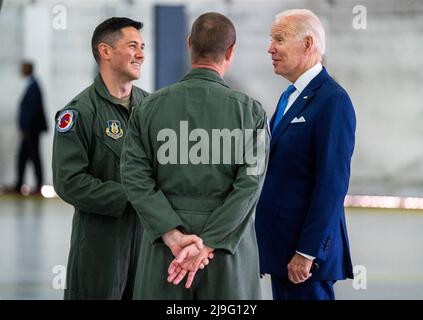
<point x="308" y="43"/>
<point x="189" y="42"/>
<point x="230" y="52"/>
<point x="104" y="51"/>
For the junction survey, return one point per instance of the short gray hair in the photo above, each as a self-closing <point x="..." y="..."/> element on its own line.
<point x="308" y="24"/>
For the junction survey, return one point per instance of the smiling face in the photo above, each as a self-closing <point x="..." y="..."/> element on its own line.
<point x="288" y="52"/>
<point x="127" y="54"/>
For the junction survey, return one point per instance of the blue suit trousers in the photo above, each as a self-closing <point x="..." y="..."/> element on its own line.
<point x="284" y="289"/>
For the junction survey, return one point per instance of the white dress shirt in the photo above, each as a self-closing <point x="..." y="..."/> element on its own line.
<point x="302" y="82"/>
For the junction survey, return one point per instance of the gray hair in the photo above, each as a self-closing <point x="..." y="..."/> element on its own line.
<point x="308" y="24"/>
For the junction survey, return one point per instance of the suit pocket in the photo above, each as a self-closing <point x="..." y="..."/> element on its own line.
<point x="299" y="126"/>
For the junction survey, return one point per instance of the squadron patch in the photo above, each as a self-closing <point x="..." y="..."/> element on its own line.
<point x="65" y="121"/>
<point x="114" y="129"/>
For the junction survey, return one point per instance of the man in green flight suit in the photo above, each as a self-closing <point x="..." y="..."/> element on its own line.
<point x="181" y="179"/>
<point x="106" y="233"/>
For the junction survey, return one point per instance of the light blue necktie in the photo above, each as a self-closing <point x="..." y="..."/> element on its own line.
<point x="283" y="101"/>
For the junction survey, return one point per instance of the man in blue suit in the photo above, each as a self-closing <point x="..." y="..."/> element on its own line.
<point x="32" y="122"/>
<point x="300" y="219"/>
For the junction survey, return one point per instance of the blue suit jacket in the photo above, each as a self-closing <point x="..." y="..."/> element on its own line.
<point x="302" y="203"/>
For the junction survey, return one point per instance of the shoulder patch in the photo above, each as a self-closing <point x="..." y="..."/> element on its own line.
<point x="65" y="121"/>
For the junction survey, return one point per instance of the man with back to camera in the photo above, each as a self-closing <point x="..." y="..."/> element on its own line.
<point x="106" y="232"/>
<point x="214" y="201"/>
<point x="300" y="219"/>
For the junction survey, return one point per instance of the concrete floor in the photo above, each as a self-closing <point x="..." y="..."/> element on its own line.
<point x="34" y="241"/>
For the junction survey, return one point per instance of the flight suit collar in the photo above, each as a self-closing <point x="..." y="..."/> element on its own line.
<point x="205" y="74"/>
<point x="101" y="89"/>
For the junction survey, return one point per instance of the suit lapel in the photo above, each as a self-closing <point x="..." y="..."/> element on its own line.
<point x="298" y="106"/>
<point x="272" y="120"/>
<point x="292" y="112"/>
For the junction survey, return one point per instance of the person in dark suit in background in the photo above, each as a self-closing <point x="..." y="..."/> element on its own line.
<point x="32" y="122"/>
<point x="300" y="219"/>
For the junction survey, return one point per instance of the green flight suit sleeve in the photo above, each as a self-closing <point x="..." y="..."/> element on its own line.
<point x="152" y="206"/>
<point x="71" y="178"/>
<point x="227" y="223"/>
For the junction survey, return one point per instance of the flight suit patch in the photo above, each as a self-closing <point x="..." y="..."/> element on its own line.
<point x="65" y="121"/>
<point x="114" y="130"/>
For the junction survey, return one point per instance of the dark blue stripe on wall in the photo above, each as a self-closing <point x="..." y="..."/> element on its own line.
<point x="171" y="48"/>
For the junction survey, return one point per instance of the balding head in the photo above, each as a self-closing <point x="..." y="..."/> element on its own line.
<point x="211" y="36"/>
